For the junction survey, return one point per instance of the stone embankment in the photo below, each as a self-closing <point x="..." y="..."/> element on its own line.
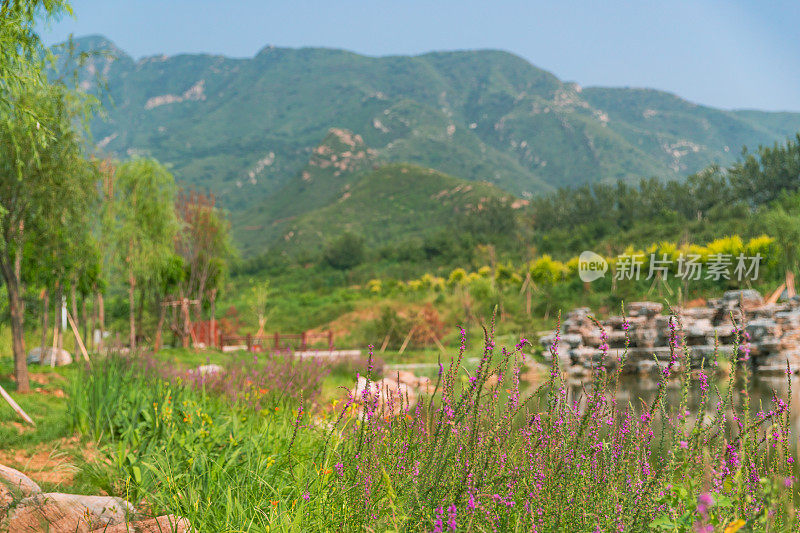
<point x="770" y="337"/>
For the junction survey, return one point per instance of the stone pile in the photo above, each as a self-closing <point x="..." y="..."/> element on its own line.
<point x="772" y="335"/>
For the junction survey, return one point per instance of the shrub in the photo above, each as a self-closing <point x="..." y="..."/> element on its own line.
<point x="345" y="252"/>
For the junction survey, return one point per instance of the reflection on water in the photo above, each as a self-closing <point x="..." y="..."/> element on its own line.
<point x="639" y="389"/>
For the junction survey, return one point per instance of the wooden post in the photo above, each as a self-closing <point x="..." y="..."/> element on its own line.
<point x="15" y="406"/>
<point x="78" y="338"/>
<point x="249" y="341"/>
<point x="408" y="338"/>
<point x="330" y="339"/>
<point x="776" y="294"/>
<point x="303" y="340"/>
<point x="277" y="341"/>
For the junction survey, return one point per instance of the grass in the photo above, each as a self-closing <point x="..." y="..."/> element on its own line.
<point x="46" y="406"/>
<point x="262" y="448"/>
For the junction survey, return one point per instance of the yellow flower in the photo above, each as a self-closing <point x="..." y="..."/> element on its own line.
<point x="734" y="526"/>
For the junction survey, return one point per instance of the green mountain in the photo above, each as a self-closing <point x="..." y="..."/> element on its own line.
<point x="393" y="202"/>
<point x="247" y="128"/>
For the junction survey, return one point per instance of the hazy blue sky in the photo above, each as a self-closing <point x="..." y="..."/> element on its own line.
<point x="730" y="54"/>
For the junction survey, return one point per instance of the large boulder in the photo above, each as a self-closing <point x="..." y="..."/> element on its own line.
<point x="162" y="524"/>
<point x="61" y="356"/>
<point x="13" y="485"/>
<point x="65" y="513"/>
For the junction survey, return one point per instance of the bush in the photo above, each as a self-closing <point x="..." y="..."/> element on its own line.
<point x="345" y="252"/>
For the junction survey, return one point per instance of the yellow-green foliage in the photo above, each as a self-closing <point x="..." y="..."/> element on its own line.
<point x="764" y="246"/>
<point x="506" y="275"/>
<point x="432" y="282"/>
<point x="732" y="246"/>
<point x="457" y="276"/>
<point x="547" y="271"/>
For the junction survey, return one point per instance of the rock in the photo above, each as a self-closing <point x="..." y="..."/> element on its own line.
<point x="760" y="328"/>
<point x="699" y="331"/>
<point x="662" y="322"/>
<point x="17" y="481"/>
<point x="788" y="319"/>
<point x="748" y="297"/>
<point x="208" y="370"/>
<point x="66" y="513"/>
<point x="62" y="357"/>
<point x="699" y="313"/>
<point x="392" y="397"/>
<point x="644" y="337"/>
<point x="423" y="384"/>
<point x="616" y="339"/>
<point x="765" y="346"/>
<point x="773" y="333"/>
<point x="13" y="486"/>
<point x="582" y="354"/>
<point x="645" y="309"/>
<point x="572" y="340"/>
<point x="161" y="524"/>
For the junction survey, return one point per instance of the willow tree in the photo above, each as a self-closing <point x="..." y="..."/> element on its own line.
<point x="204" y="245"/>
<point x="46" y="191"/>
<point x="145" y="224"/>
<point x="21" y="52"/>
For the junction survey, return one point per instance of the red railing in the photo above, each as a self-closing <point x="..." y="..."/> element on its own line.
<point x="279" y="341"/>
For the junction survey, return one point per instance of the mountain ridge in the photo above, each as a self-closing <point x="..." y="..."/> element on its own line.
<point x="245" y="127"/>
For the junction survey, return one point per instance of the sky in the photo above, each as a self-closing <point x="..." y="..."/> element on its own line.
<point x="730" y="54"/>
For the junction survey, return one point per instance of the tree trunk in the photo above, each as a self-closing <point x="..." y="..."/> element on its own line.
<point x="174" y="325"/>
<point x="84" y="320"/>
<point x="162" y="313"/>
<point x="93" y="323"/>
<point x="140" y="311"/>
<point x="101" y="319"/>
<point x="73" y="296"/>
<point x="186" y="322"/>
<point x="132" y="308"/>
<point x="45" y="318"/>
<point x="213" y="324"/>
<point x="59" y="303"/>
<point x="10" y="275"/>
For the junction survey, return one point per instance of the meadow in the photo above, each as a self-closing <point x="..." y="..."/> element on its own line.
<point x="270" y="444"/>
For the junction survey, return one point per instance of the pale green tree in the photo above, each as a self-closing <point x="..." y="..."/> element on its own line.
<point x="145" y="224"/>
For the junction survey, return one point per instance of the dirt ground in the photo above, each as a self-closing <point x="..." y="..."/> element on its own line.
<point x="50" y="463"/>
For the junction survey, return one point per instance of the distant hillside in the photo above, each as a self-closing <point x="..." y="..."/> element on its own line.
<point x="246" y="128"/>
<point x="391" y="204"/>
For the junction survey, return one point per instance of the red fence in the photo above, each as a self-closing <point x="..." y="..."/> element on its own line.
<point x="279" y="341"/>
<point x="209" y="333"/>
<point x="206" y="332"/>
